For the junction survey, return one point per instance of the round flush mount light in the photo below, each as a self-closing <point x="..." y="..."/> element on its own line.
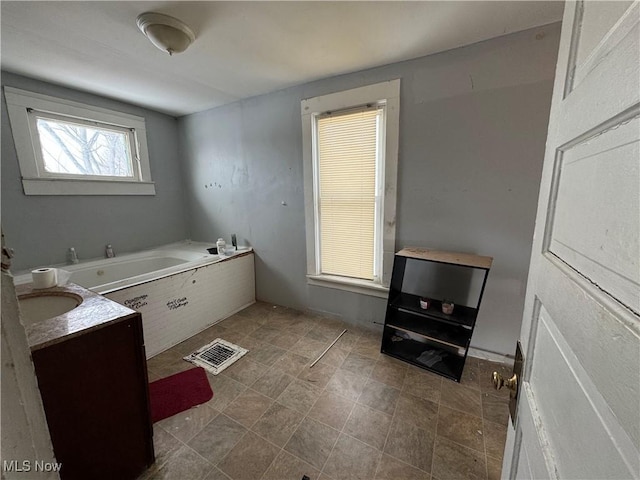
<point x="167" y="33"/>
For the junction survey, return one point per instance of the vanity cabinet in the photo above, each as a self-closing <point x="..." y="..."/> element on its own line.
<point x="95" y="396"/>
<point x="420" y="333"/>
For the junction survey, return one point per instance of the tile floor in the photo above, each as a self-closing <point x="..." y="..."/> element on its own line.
<point x="357" y="414"/>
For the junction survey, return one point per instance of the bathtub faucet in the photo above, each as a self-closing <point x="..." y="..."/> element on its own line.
<point x="72" y="256"/>
<point x="108" y="251"/>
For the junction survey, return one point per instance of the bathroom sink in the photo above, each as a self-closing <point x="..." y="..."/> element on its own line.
<point x="36" y="307"/>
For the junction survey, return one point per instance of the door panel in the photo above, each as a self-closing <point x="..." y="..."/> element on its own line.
<point x="568" y="402"/>
<point x="578" y="408"/>
<point x="600" y="17"/>
<point x="601" y="340"/>
<point x="588" y="177"/>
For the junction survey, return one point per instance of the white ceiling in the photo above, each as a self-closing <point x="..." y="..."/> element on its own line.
<point x="241" y="49"/>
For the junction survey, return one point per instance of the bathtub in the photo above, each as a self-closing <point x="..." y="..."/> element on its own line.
<point x="180" y="289"/>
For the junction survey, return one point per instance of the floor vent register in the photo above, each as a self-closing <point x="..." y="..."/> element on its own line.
<point x="216" y="356"/>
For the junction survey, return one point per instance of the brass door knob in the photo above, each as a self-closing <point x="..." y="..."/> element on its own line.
<point x="499" y="381"/>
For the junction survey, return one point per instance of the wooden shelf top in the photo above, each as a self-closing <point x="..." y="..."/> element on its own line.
<point x="454" y="258"/>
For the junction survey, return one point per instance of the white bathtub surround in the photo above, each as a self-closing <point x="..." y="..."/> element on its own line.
<point x="180" y="289"/>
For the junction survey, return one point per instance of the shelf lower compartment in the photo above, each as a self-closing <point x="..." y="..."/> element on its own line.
<point x="428" y="355"/>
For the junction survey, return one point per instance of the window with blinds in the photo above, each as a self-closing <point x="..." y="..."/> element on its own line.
<point x="348" y="150"/>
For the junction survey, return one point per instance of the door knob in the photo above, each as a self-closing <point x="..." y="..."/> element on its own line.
<point x="499" y="381"/>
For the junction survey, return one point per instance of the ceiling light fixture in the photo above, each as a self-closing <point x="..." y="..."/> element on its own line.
<point x="167" y="33"/>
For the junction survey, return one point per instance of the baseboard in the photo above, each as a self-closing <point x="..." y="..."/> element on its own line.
<point x="491" y="356"/>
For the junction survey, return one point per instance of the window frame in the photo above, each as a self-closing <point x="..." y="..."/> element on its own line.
<point x="23" y="108"/>
<point x="387" y="93"/>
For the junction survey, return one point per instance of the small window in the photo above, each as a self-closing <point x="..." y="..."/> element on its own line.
<point x="349" y="162"/>
<point x="67" y="148"/>
<point x="350" y="142"/>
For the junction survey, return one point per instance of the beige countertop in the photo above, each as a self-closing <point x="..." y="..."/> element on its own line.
<point x="93" y="313"/>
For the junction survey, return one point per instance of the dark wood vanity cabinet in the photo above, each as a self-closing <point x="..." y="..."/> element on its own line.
<point x="94" y="390"/>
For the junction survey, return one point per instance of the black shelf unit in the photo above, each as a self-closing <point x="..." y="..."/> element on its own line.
<point x="429" y="338"/>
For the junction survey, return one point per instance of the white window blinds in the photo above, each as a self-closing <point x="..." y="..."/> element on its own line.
<point x="348" y="152"/>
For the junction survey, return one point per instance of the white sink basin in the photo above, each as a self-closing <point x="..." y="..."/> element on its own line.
<point x="37" y="307"/>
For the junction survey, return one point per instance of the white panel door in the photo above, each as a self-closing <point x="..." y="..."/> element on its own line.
<point x="579" y="401"/>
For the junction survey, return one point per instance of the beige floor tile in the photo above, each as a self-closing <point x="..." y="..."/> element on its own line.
<point x="266" y="354"/>
<point x="168" y="363"/>
<point x="291" y="363"/>
<point x="459" y="397"/>
<point x="300" y="396"/>
<point x="285" y="339"/>
<point x="234" y="336"/>
<point x="288" y="467"/>
<point x="379" y="396"/>
<point x="257" y="310"/>
<point x="335" y="356"/>
<point x="152" y="376"/>
<point x="185" y="463"/>
<point x="423" y="413"/>
<point x="164" y="445"/>
<point x="248" y="407"/>
<point x="217" y="438"/>
<point x="347" y="384"/>
<point x="312" y="442"/>
<point x="495" y="408"/>
<point x="318" y="375"/>
<point x="331" y="409"/>
<point x="368" y="425"/>
<point x="300" y="326"/>
<point x="272" y="383"/>
<point x="359" y="385"/>
<point x="277" y="424"/>
<point x="309" y="348"/>
<point x="352" y="460"/>
<point x="217" y="474"/>
<point x="324" y="333"/>
<point x="225" y="390"/>
<point x="185" y="425"/>
<point x="495" y="437"/>
<point x="245" y="371"/>
<point x="266" y="333"/>
<point x="454" y="462"/>
<point x="423" y="384"/>
<point x="471" y="374"/>
<point x="200" y="340"/>
<point x="348" y="340"/>
<point x="410" y="444"/>
<point x="459" y="427"/>
<point x="494" y="468"/>
<point x="249" y="459"/>
<point x="359" y="364"/>
<point x="390" y="468"/>
<point x="368" y="345"/>
<point x="240" y="324"/>
<point x="392" y="374"/>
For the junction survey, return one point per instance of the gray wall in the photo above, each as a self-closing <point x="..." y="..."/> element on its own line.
<point x="42" y="228"/>
<point x="473" y="126"/>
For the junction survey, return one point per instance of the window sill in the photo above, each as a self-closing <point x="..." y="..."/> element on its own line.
<point x="45" y="186"/>
<point x="364" y="287"/>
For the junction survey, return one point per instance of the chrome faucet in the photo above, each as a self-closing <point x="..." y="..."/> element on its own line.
<point x="108" y="251"/>
<point x="72" y="256"/>
<point x="7" y="255"/>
